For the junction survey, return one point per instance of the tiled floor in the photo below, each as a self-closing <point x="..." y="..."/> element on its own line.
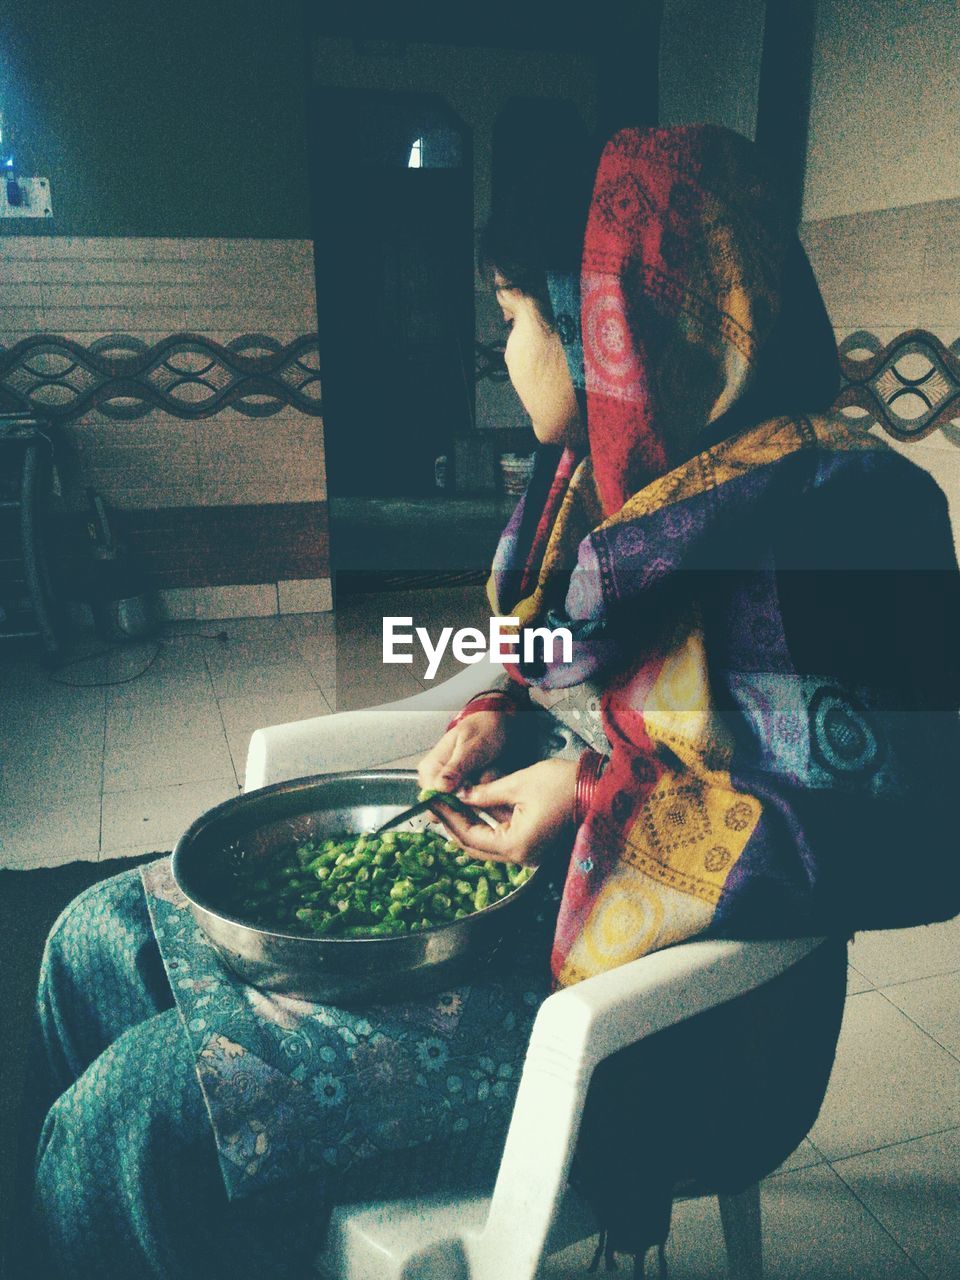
<point x="123" y="765"/>
<point x="874" y="1192"/>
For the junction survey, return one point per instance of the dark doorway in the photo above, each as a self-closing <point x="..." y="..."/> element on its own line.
<point x="393" y="199"/>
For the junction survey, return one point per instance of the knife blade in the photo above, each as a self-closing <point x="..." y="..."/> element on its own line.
<point x="451" y="801"/>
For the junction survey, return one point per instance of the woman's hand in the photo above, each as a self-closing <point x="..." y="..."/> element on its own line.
<point x="533" y="806"/>
<point x="465" y="752"/>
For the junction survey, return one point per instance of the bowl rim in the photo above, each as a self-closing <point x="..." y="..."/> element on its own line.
<point x="228" y="806"/>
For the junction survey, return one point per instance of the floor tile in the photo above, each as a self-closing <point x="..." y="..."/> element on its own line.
<point x="288" y="675"/>
<point x="324" y="674"/>
<point x="805" y="1155"/>
<point x="50" y="833"/>
<point x="170" y="762"/>
<point x="315" y="647"/>
<point x="358" y="687"/>
<point x="248" y="630"/>
<point x="403" y="762"/>
<point x="36" y="859"/>
<point x="900" y="955"/>
<point x="250" y="644"/>
<point x="42" y="704"/>
<point x="175" y="661"/>
<point x="133" y="851"/>
<point x="571" y="1263"/>
<point x="306" y="593"/>
<point x="890" y="1082"/>
<point x="161" y="743"/>
<point x="85" y="663"/>
<point x="51" y="766"/>
<point x="311" y="624"/>
<point x="814" y="1228"/>
<point x="241" y="716"/>
<point x="856" y="982"/>
<point x="20" y="673"/>
<point x="134" y="718"/>
<point x="934" y="1004"/>
<point x="139" y="711"/>
<point x="51" y="746"/>
<point x="155" y="817"/>
<point x="318" y="649"/>
<point x="92" y="672"/>
<point x="914" y="1191"/>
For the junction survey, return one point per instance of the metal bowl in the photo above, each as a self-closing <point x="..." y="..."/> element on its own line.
<point x="227" y="841"/>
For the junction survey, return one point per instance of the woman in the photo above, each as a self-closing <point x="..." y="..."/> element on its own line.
<point x="719" y="745"/>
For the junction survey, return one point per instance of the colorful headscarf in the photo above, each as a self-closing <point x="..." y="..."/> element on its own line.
<point x="686" y="554"/>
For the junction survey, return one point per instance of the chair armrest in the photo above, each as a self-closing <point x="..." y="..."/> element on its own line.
<point x="364" y="738"/>
<point x="333" y="744"/>
<point x="574" y="1030"/>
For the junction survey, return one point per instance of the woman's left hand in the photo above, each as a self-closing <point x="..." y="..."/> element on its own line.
<point x="533" y="807"/>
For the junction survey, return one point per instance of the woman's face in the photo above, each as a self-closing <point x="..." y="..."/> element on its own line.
<point x="538" y="369"/>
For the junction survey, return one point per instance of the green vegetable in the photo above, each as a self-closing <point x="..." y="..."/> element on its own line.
<point x="370" y="886"/>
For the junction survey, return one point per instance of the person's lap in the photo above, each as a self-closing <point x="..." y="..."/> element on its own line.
<point x="127" y="1179"/>
<point x="101" y="974"/>
<point x="127" y="1172"/>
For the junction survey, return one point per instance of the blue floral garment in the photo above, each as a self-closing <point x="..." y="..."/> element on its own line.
<point x="126" y="1179"/>
<point x="295" y="1088"/>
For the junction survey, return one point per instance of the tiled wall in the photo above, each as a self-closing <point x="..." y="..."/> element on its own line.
<point x="890" y="270"/>
<point x="148" y="288"/>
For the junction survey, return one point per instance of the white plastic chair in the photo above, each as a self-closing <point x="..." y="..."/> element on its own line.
<point x="531" y="1212"/>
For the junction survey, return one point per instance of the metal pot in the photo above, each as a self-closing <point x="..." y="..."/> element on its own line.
<point x="223" y="843"/>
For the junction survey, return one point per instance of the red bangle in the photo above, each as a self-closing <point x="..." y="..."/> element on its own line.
<point x="492" y="701"/>
<point x="589" y="768"/>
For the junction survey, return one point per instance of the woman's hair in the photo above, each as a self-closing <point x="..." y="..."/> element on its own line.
<point x="539" y="216"/>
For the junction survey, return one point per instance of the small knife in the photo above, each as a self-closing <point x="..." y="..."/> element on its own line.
<point x="442" y="798"/>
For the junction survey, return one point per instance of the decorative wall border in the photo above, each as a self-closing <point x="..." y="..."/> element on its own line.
<point x="910" y="387"/>
<point x="185" y="374"/>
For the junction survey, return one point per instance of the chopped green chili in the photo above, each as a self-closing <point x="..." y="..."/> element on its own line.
<point x="370" y="886"/>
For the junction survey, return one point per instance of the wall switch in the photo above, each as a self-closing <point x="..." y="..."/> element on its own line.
<point x="25" y="197"/>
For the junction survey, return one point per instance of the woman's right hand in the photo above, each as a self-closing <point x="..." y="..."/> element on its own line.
<point x="464" y="754"/>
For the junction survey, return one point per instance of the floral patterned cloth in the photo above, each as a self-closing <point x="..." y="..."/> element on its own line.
<point x="193" y="1126"/>
<point x="294" y="1087"/>
<point x="126" y="1179"/>
<point x="311" y="1105"/>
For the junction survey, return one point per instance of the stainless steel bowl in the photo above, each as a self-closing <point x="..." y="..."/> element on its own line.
<point x="225" y="841"/>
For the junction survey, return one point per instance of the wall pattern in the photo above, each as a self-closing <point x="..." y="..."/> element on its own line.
<point x="185" y="374"/>
<point x="184" y="379"/>
<point x="888" y="278"/>
<point x="910" y="387"/>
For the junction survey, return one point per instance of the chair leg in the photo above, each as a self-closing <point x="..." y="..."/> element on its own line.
<point x="740" y="1215"/>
